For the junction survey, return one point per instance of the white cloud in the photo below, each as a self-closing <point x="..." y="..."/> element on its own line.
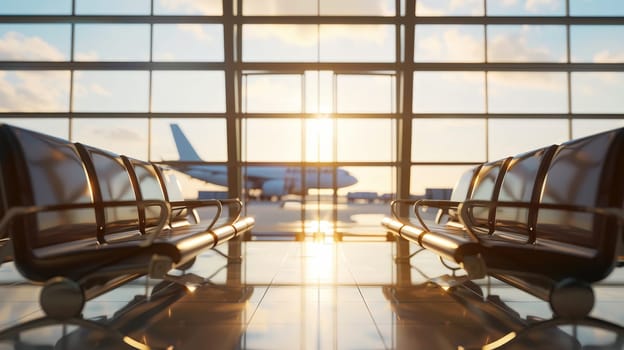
<point x="357" y="7"/>
<point x="425" y="10"/>
<point x="541" y="5"/>
<point x="509" y="3"/>
<point x="197" y="30"/>
<point x="544" y="81"/>
<point x="452" y="45"/>
<point x="476" y="5"/>
<point x="516" y="47"/>
<point x="360" y="33"/>
<point x="205" y="7"/>
<point x="99" y="90"/>
<point x="296" y="35"/>
<point x="534" y="6"/>
<point x="17" y="46"/>
<point x="33" y="91"/>
<point x="440" y="8"/>
<point x="306" y="35"/>
<point x="280" y="7"/>
<point x="87" y="56"/>
<point x="608" y="56"/>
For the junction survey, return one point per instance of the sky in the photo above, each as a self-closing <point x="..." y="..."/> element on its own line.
<point x="323" y="92"/>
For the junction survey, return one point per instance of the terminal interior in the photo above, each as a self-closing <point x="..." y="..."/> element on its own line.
<point x="316" y="114"/>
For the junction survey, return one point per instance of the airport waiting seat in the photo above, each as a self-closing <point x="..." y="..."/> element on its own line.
<point x="82" y="221"/>
<point x="548" y="222"/>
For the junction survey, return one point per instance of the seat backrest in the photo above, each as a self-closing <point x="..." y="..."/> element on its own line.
<point x="147" y="187"/>
<point x="464" y="185"/>
<point x="43" y="170"/>
<point x="180" y="215"/>
<point x="486" y="187"/>
<point x="461" y="191"/>
<point x="585" y="172"/>
<point x="113" y="183"/>
<point x="522" y="183"/>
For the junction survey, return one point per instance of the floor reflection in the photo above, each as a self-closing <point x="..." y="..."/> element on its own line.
<point x="314" y="294"/>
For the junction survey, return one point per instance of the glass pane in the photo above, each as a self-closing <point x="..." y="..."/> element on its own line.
<point x="520" y="92"/>
<point x="319" y="88"/>
<point x="449" y="43"/>
<point x="526" y="43"/>
<point x="508" y="137"/>
<point x="34" y="42"/>
<point x="365" y="93"/>
<point x="600" y="44"/>
<point x="597" y="92"/>
<point x="526" y="8"/>
<point x="365" y="140"/>
<point x="264" y="182"/>
<point x="319" y="139"/>
<point x="311" y="8"/>
<point x="128" y="137"/>
<point x="112" y="42"/>
<point x="449" y="92"/>
<point x="35" y="7"/>
<point x="111" y="91"/>
<point x="449" y="8"/>
<point x="280" y="8"/>
<point x="188" y="91"/>
<point x="206" y="137"/>
<point x="596" y="8"/>
<point x="272" y="140"/>
<point x="181" y="186"/>
<point x="188" y="42"/>
<point x="376" y="179"/>
<point x="34" y="91"/>
<point x="58" y="127"/>
<point x="112" y="7"/>
<point x="188" y="7"/>
<point x="586" y="127"/>
<point x="425" y="177"/>
<point x="448" y="140"/>
<point x="279" y="42"/>
<point x="272" y="93"/>
<point x="357" y="7"/>
<point x="357" y="43"/>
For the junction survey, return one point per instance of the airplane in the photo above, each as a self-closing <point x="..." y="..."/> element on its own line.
<point x="271" y="181"/>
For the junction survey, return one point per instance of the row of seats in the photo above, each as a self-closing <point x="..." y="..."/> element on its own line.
<point x="83" y="220"/>
<point x="533" y="220"/>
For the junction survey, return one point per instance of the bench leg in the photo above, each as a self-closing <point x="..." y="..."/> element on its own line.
<point x="510" y="338"/>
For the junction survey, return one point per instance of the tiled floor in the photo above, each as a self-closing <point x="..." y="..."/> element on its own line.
<point x="305" y="295"/>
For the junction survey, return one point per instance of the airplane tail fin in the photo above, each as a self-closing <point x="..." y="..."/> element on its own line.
<point x="185" y="149"/>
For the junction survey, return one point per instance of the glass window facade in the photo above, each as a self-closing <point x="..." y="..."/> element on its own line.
<point x="379" y="96"/>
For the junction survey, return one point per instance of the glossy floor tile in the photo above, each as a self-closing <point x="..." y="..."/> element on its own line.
<point x="307" y="295"/>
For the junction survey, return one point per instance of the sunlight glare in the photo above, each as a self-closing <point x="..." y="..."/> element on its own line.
<point x="319" y="139"/>
<point x="321" y="262"/>
<point x="319" y="226"/>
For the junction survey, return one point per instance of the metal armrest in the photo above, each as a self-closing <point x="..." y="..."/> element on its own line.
<point x="394" y="204"/>
<point x="465" y="211"/>
<point x="15" y="212"/>
<point x="440" y="204"/>
<point x="192" y="204"/>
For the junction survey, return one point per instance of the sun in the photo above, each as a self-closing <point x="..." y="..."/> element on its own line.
<point x="319" y="133"/>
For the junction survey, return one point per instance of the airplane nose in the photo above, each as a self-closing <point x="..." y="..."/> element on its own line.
<point x="351" y="180"/>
